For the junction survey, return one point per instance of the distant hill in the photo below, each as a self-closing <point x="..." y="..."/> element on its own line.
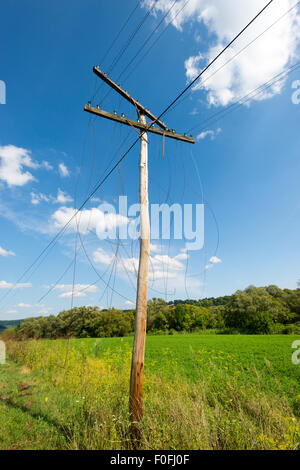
<point x="4" y="324"/>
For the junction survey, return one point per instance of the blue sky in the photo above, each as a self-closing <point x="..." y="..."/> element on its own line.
<point x="245" y="165"/>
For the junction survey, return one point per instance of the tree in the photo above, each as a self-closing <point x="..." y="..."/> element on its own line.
<point x="261" y="323"/>
<point x="245" y="305"/>
<point x="188" y="317"/>
<point x="155" y="307"/>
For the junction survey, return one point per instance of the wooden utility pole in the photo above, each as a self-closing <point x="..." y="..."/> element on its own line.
<point x="138" y="354"/>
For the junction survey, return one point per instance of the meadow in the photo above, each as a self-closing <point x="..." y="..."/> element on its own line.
<point x="200" y="392"/>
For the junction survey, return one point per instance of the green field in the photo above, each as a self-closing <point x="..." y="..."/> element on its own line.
<point x="193" y="355"/>
<point x="200" y="392"/>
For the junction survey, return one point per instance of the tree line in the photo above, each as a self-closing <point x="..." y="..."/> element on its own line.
<point x="255" y="310"/>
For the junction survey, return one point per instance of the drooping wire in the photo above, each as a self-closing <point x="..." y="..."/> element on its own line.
<point x="127" y="44"/>
<point x="104" y="179"/>
<point x="120" y="32"/>
<point x="237" y="54"/>
<point x="141" y="48"/>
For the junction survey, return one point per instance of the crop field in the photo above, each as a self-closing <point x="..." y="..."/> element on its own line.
<point x="200" y="392"/>
<point x="194" y="355"/>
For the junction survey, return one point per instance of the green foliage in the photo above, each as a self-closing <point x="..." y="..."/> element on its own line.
<point x="256" y="310"/>
<point x="8" y="324"/>
<point x="261" y="323"/>
<point x="201" y="392"/>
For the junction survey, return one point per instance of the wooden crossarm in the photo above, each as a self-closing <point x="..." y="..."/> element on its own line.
<point x="127" y="96"/>
<point x="138" y="125"/>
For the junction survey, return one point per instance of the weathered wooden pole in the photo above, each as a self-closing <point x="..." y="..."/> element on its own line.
<point x="138" y="354"/>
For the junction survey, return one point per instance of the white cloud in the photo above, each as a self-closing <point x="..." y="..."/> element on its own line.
<point x="213" y="260"/>
<point x="4" y="252"/>
<point x="63" y="170"/>
<point x="22" y="305"/>
<point x="13" y="160"/>
<point x="95" y="199"/>
<point x="155" y="248"/>
<point x="44" y="311"/>
<point x="262" y="60"/>
<point x="36" y="198"/>
<point x="63" y="197"/>
<point x="167" y="275"/>
<point x="10" y="285"/>
<point x="182" y="256"/>
<point x="128" y="303"/>
<point x="79" y="290"/>
<point x="88" y="219"/>
<point x="211" y="134"/>
<point x="46" y="165"/>
<point x="208" y="266"/>
<point x="12" y="311"/>
<point x="160" y="266"/>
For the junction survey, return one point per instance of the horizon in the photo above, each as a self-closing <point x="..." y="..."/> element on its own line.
<point x="244" y="168"/>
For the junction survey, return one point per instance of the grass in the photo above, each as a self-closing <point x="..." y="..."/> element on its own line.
<point x="201" y="392"/>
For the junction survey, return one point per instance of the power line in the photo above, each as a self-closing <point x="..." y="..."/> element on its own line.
<point x="241" y="50"/>
<point x="103" y="180"/>
<point x="214" y="60"/>
<point x="142" y="47"/>
<point x="242" y="100"/>
<point x="120" y="32"/>
<point x="127" y="44"/>
<point x="157" y="39"/>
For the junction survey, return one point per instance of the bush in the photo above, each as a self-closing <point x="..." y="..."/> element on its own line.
<point x="261" y="324"/>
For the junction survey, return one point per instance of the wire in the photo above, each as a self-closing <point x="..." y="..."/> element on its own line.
<point x="103" y="180"/>
<point x="242" y="100"/>
<point x="141" y="48"/>
<point x="120" y="32"/>
<point x="214" y="60"/>
<point x="127" y="44"/>
<point x="240" y="51"/>
<point x="157" y="39"/>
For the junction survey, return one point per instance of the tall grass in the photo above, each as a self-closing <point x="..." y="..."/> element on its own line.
<point x="221" y="410"/>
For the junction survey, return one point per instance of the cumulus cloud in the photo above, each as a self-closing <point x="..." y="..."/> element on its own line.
<point x="88" y="219"/>
<point x="13" y="161"/>
<point x="37" y="198"/>
<point x="63" y="170"/>
<point x="63" y="197"/>
<point x="4" y="252"/>
<point x="213" y="260"/>
<point x="22" y="305"/>
<point x="209" y="133"/>
<point x="79" y="290"/>
<point x="160" y="266"/>
<point x="10" y="285"/>
<point x="155" y="248"/>
<point x="46" y="165"/>
<point x="44" y="311"/>
<point x="208" y="266"/>
<point x="257" y="64"/>
<point x="167" y="273"/>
